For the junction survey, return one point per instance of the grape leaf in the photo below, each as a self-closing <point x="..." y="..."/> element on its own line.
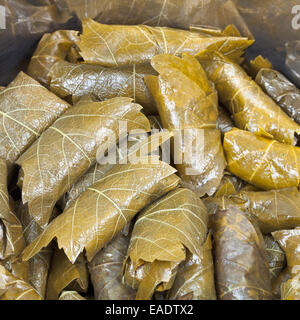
<point x="241" y="266"/>
<point x="135" y="147"/>
<point x="270" y="210"/>
<point x="195" y="276"/>
<point x="12" y="288"/>
<point x="39" y="265"/>
<point x="70" y="295"/>
<point x="275" y="256"/>
<point x="26" y="110"/>
<point x="103" y="209"/>
<point x="289" y="241"/>
<point x="77" y="80"/>
<point x="193" y="106"/>
<point x="263" y="162"/>
<point x="161" y="235"/>
<point x="63" y="273"/>
<point x="106" y="271"/>
<point x="115" y="45"/>
<point x="51" y="48"/>
<point x="74" y="139"/>
<point x="283" y="92"/>
<point x="251" y="108"/>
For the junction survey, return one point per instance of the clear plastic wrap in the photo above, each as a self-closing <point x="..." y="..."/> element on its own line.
<point x="272" y="23"/>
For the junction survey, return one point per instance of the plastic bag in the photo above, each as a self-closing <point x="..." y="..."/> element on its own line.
<point x="271" y="22"/>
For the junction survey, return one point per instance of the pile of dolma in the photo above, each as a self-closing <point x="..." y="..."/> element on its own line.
<point x="222" y="224"/>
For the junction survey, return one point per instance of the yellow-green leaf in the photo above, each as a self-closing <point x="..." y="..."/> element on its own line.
<point x="103" y="209"/>
<point x="115" y="45"/>
<point x="187" y="100"/>
<point x="74" y="139"/>
<point x="161" y="235"/>
<point x="12" y="288"/>
<point x="51" y="48"/>
<point x="77" y="80"/>
<point x="241" y="267"/>
<point x="26" y="110"/>
<point x="263" y="162"/>
<point x="251" y="108"/>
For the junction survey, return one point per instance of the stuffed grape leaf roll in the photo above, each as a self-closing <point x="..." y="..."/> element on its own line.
<point x="265" y="163"/>
<point x="252" y="109"/>
<point x="242" y="270"/>
<point x="74" y="139"/>
<point x="289" y="240"/>
<point x="117" y="45"/>
<point x="283" y="92"/>
<point x="100" y="212"/>
<point x="162" y="236"/>
<point x="26" y="110"/>
<point x="52" y="47"/>
<point x="188" y="106"/>
<point x="78" y="80"/>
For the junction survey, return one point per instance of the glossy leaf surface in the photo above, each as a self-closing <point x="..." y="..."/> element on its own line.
<point x="51" y="48"/>
<point x="251" y="108"/>
<point x="64" y="273"/>
<point x="106" y="271"/>
<point x="26" y="110"/>
<point x="197" y="152"/>
<point x="284" y="92"/>
<point x="263" y="162"/>
<point x="74" y="139"/>
<point x="242" y="271"/>
<point x="162" y="235"/>
<point x="77" y="80"/>
<point x="116" y="45"/>
<point x="104" y="209"/>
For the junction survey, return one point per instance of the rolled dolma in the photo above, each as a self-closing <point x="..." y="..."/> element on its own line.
<point x="51" y="48"/>
<point x="169" y="232"/>
<point x="105" y="208"/>
<point x="195" y="276"/>
<point x="106" y="271"/>
<point x="289" y="240"/>
<point x="262" y="162"/>
<point x="252" y="109"/>
<point x="270" y="210"/>
<point x="68" y="79"/>
<point x="187" y="103"/>
<point x="141" y="146"/>
<point x="283" y="92"/>
<point x="241" y="267"/>
<point x="74" y="139"/>
<point x="171" y="13"/>
<point x="26" y="110"/>
<point x="12" y="288"/>
<point x="116" y="45"/>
